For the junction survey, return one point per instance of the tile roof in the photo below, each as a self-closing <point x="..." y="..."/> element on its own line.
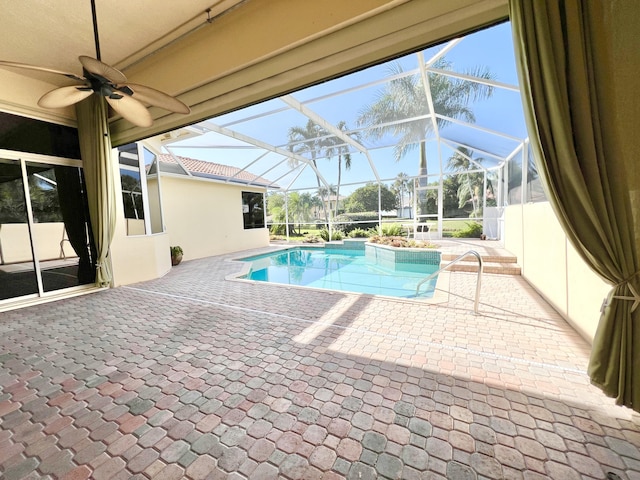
<point x="201" y="168"/>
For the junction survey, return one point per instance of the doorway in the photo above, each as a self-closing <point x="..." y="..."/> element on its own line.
<point x="46" y="243"/>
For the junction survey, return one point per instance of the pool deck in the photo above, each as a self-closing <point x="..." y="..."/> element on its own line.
<point x="193" y="376"/>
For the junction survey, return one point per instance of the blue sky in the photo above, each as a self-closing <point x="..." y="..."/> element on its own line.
<point x="491" y="48"/>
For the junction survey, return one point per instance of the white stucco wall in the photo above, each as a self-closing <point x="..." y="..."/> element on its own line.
<point x="553" y="267"/>
<point x="205" y="218"/>
<point x="138" y="258"/>
<point x="135" y="257"/>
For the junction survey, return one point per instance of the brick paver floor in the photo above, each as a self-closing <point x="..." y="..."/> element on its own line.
<point x="194" y="376"/>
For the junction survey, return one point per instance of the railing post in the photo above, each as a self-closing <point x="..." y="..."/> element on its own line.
<point x="476" y="302"/>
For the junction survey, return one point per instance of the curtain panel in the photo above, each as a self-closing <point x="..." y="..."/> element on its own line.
<point x="565" y="56"/>
<point x="76" y="220"/>
<point x="95" y="148"/>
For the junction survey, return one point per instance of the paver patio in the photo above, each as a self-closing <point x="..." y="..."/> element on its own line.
<point x="194" y="376"/>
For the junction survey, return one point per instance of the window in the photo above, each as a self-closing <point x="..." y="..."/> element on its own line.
<point x="253" y="210"/>
<point x="535" y="191"/>
<point x="153" y="190"/>
<point x="140" y="190"/>
<point x="514" y="180"/>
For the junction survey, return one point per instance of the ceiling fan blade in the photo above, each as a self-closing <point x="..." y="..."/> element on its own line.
<point x="4" y="63"/>
<point x="156" y="98"/>
<point x="97" y="67"/>
<point x="132" y="110"/>
<point x="64" y="96"/>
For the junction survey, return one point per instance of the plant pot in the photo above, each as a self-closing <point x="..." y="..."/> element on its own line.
<point x="176" y="259"/>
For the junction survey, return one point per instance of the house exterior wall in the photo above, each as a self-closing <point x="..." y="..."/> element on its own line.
<point x="135" y="258"/>
<point x="205" y="218"/>
<point x="553" y="267"/>
<point x="138" y="258"/>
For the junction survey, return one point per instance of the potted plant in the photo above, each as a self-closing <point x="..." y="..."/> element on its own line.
<point x="176" y="255"/>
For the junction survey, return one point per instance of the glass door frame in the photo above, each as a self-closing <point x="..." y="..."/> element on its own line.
<point x="23" y="158"/>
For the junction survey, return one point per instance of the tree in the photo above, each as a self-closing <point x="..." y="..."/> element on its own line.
<point x="400" y="186"/>
<point x="405" y="97"/>
<point x="299" y="207"/>
<point x="450" y="202"/>
<point x="316" y="204"/>
<point x="309" y="139"/>
<point x="275" y="200"/>
<point x="324" y="193"/>
<point x="365" y="199"/>
<point x="336" y="146"/>
<point x="12" y="204"/>
<point x="277" y="213"/>
<point x="469" y="190"/>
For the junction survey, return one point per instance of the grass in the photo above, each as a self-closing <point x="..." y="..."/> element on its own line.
<point x="455" y="225"/>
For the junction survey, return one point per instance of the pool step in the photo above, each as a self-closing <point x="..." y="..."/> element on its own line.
<point x="498" y="264"/>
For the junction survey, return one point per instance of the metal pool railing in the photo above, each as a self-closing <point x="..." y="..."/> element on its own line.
<point x="453" y="262"/>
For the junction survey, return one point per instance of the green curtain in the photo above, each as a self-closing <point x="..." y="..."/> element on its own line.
<point x="76" y="222"/>
<point x="565" y="52"/>
<point x="95" y="147"/>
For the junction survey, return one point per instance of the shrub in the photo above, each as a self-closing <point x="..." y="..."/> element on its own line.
<point x="473" y="230"/>
<point x="337" y="235"/>
<point x="368" y="219"/>
<point x="401" y="242"/>
<point x="392" y="230"/>
<point x="277" y="229"/>
<point x="324" y="234"/>
<point x="360" y="233"/>
<point x="312" y="239"/>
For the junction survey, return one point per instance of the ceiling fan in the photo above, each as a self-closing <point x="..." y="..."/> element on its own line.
<point x="127" y="99"/>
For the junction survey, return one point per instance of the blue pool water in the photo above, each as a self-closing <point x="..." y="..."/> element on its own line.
<point x="344" y="270"/>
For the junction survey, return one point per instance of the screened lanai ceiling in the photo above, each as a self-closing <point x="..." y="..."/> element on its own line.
<point x="458" y="97"/>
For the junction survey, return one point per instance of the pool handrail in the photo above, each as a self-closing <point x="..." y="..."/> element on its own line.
<point x="454" y="261"/>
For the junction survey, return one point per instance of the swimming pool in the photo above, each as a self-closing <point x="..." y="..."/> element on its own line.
<point x="341" y="269"/>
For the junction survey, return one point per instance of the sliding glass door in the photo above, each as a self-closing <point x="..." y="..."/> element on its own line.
<point x="17" y="267"/>
<point x="45" y="236"/>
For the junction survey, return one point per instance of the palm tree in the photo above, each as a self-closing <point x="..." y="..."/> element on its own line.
<point x="316" y="205"/>
<point x="324" y="193"/>
<point x="461" y="161"/>
<point x="299" y="208"/>
<point x="336" y="146"/>
<point x="309" y="139"/>
<point x="405" y="97"/>
<point x="401" y="185"/>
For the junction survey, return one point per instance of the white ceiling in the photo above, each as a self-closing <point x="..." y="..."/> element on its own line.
<point x="54" y="33"/>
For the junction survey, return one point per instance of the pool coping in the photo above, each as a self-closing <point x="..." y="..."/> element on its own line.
<point x="440" y="292"/>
